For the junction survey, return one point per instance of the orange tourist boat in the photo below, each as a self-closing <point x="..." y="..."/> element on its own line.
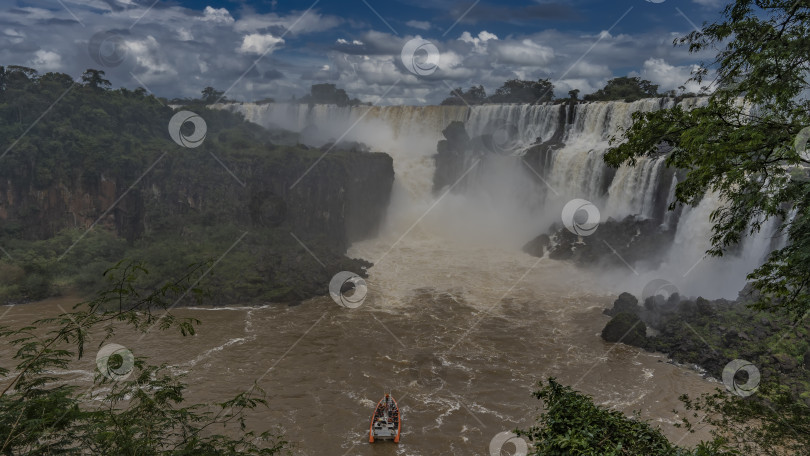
<point x="386" y="423"/>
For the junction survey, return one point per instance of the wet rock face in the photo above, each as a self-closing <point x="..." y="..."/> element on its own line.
<point x="267" y="209"/>
<point x="343" y="197"/>
<point x="632" y="240"/>
<point x="538" y="246"/>
<point x="451" y="153"/>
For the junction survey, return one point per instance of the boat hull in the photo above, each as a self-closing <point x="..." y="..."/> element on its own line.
<point x="386" y="421"/>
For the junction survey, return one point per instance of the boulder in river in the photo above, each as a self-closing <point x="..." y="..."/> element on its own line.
<point x="630" y="241"/>
<point x="626" y="328"/>
<point x="624" y="303"/>
<point x="538" y="246"/>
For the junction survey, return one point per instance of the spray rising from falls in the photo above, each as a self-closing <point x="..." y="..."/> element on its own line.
<point x="543" y="156"/>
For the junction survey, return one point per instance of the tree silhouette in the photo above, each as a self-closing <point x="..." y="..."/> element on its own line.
<point x="625" y="88"/>
<point x="212" y="95"/>
<point x="94" y="79"/>
<point x="474" y="95"/>
<point x="520" y="91"/>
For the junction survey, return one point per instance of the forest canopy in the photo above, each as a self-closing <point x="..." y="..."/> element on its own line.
<point x="624" y="88"/>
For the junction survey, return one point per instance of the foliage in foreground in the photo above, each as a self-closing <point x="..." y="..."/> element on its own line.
<point x="573" y="425"/>
<point x="748" y="144"/>
<point x="145" y="413"/>
<point x="770" y="422"/>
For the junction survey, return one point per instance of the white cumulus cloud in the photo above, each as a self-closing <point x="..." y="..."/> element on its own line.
<point x="46" y="61"/>
<point x="668" y="77"/>
<point x="217" y="15"/>
<point x="480" y="42"/>
<point x="257" y="43"/>
<point x="524" y="52"/>
<point x="421" y="25"/>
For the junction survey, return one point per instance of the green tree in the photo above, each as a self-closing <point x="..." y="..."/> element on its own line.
<point x="211" y="95"/>
<point x="22" y="72"/>
<point x="92" y="136"/>
<point x="745" y="143"/>
<point x="473" y="96"/>
<point x="328" y="94"/>
<point x="15" y="77"/>
<point x="777" y="426"/>
<point x="477" y="94"/>
<point x="572" y="424"/>
<point x="520" y="91"/>
<point x="41" y="414"/>
<point x="624" y="88"/>
<point x="748" y="145"/>
<point x="574" y="94"/>
<point x="94" y="79"/>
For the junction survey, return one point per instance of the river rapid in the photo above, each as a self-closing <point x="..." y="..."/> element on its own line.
<point x="459" y="336"/>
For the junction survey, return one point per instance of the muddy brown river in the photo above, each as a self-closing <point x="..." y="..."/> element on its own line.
<point x="459" y="335"/>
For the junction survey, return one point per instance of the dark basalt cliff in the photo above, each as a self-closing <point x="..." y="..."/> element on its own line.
<point x="343" y="198"/>
<point x="289" y="194"/>
<point x="632" y="239"/>
<point x="452" y="153"/>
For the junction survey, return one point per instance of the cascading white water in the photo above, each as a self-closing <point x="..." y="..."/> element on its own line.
<point x="669" y="216"/>
<point x="579" y="168"/>
<point x="501" y="198"/>
<point x="633" y="189"/>
<point x="696" y="274"/>
<point x="530" y="122"/>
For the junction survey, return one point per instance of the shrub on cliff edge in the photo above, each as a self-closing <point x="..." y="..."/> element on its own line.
<point x="573" y="424"/>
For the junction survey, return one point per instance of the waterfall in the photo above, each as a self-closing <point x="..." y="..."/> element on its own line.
<point x="408" y="133"/>
<point x="694" y="273"/>
<point x="530" y="122"/>
<point x="671" y="216"/>
<point x="502" y="198"/>
<point x="634" y="189"/>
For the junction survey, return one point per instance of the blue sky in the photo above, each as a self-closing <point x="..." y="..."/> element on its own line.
<point x="266" y="48"/>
